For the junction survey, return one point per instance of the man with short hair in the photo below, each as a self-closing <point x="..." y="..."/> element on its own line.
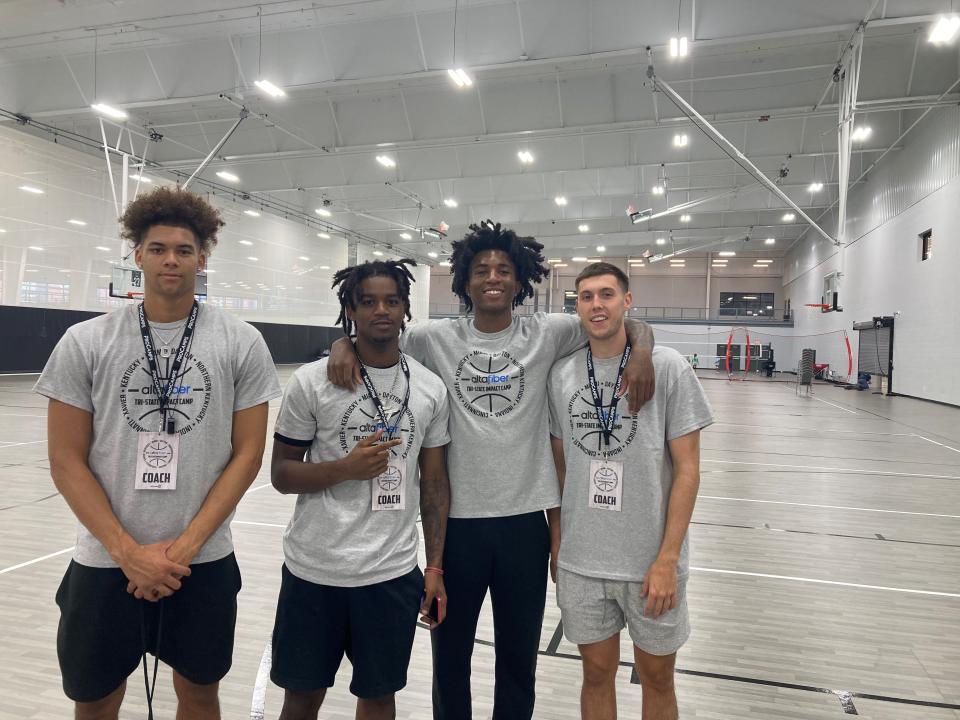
<point x="157" y="422"/>
<point x="629" y="482"/>
<point x="495" y="367"/>
<point x="374" y="457"/>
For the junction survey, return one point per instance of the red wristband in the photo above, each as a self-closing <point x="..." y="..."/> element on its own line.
<point x="435" y="570"/>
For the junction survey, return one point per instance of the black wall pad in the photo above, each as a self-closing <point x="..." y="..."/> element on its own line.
<point x="30" y="334"/>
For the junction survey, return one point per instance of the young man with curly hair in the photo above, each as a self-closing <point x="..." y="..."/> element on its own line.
<point x="157" y="420"/>
<point x="495" y="367"/>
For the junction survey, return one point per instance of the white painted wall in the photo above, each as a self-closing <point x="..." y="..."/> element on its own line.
<point x="68" y="266"/>
<point x="912" y="191"/>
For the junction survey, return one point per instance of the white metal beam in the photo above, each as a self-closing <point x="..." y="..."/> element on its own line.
<point x="732" y="151"/>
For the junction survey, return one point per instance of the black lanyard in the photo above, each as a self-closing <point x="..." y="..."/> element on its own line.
<point x="164" y="392"/>
<point x="375" y="399"/>
<point x="607" y="420"/>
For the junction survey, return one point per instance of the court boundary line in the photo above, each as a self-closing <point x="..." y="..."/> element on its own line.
<point x="822" y="468"/>
<point x="819" y="581"/>
<point x="828" y="507"/>
<point x="36" y="560"/>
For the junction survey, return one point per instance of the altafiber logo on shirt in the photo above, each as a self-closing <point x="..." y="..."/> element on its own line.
<point x="585" y="427"/>
<point x="489" y="384"/>
<point x="360" y="420"/>
<point x="189" y="397"/>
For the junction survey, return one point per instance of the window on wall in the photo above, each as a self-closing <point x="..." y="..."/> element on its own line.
<point x="43" y="293"/>
<point x="926" y="245"/>
<point x="734" y="304"/>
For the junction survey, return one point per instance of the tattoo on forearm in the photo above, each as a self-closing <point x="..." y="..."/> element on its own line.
<point x="434" y="508"/>
<point x="640" y="334"/>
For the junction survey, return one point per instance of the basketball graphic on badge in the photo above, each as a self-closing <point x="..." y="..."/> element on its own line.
<point x="606" y="480"/>
<point x="389" y="480"/>
<point x="157" y="453"/>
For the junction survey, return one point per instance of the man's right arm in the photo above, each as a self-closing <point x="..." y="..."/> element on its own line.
<point x="290" y="473"/>
<point x="70" y="429"/>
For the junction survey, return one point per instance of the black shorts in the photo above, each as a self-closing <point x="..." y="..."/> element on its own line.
<point x="373" y="624"/>
<point x="104" y="630"/>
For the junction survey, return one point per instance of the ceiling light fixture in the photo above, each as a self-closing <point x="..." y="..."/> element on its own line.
<point x="678" y="46"/>
<point x="36" y="247"/>
<point x="378" y="253"/>
<point x="31" y="189"/>
<point x="81" y="223"/>
<point x="450" y="202"/>
<point x="684" y="218"/>
<point x="525" y="157"/>
<point x="944" y="30"/>
<point x="770" y="241"/>
<point x="658" y="190"/>
<point x="727" y="253"/>
<point x="251" y="213"/>
<point x="460" y="77"/>
<point x="789" y="217"/>
<point x="661" y="241"/>
<point x="245" y="242"/>
<point x="251" y="258"/>
<point x="228" y="176"/>
<point x="324" y="236"/>
<point x="386" y="161"/>
<point x="578" y="259"/>
<point x="432" y="254"/>
<point x="109" y="111"/>
<point x="583" y="228"/>
<point x="103" y="248"/>
<point x="601" y="248"/>
<point x="406" y="236"/>
<point x="140" y="178"/>
<point x="269" y="88"/>
<point x="323" y="212"/>
<point x="815" y="187"/>
<point x="680" y="140"/>
<point x="304" y="258"/>
<point x="560" y="200"/>
<point x="861" y="133"/>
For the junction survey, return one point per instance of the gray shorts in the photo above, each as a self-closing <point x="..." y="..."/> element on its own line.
<point x="594" y="609"/>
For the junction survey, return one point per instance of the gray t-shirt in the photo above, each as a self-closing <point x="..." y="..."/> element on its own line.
<point x="99" y="366"/>
<point x="334" y="537"/>
<point x="499" y="459"/>
<point x="621" y="545"/>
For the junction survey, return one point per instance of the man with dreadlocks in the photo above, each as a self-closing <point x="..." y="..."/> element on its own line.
<point x="350" y="581"/>
<point x="495" y="367"/>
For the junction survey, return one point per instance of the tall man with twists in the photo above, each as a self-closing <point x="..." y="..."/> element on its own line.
<point x="495" y="367"/>
<point x="157" y="421"/>
<point x="361" y="462"/>
<point x="629" y="483"/>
